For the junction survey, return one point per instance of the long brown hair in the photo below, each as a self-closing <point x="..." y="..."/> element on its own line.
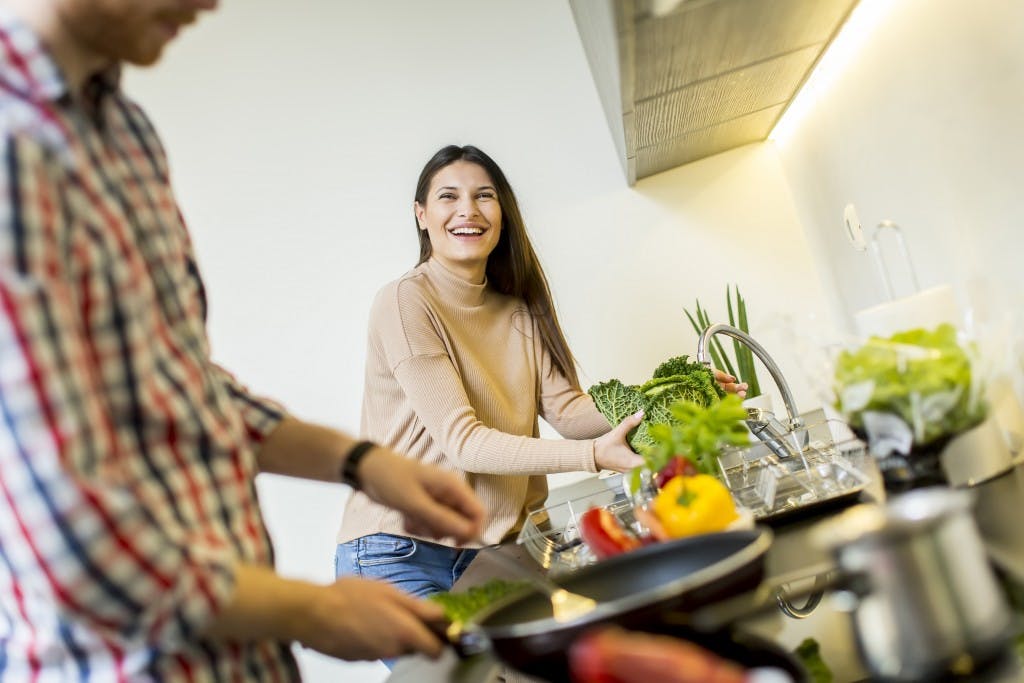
<point x="513" y="267"/>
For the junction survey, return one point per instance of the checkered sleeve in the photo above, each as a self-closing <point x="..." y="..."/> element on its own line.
<point x="72" y="525"/>
<point x="261" y="415"/>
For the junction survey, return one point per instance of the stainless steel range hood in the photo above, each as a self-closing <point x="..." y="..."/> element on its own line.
<point x="684" y="79"/>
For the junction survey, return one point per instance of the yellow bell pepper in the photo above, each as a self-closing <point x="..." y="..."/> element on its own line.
<point x="694" y="505"/>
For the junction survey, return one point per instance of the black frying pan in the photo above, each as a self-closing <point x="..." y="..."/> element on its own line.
<point x="632" y="590"/>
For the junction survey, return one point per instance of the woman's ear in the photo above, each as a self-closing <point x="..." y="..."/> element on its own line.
<point x="419" y="210"/>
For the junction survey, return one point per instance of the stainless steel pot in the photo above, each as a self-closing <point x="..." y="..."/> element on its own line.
<point x="930" y="605"/>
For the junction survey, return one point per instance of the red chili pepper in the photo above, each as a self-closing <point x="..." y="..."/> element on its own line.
<point x="604" y="534"/>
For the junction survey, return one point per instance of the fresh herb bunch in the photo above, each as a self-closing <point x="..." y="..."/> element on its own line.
<point x="674" y="380"/>
<point x="462" y="606"/>
<point x="744" y="369"/>
<point x="696" y="432"/>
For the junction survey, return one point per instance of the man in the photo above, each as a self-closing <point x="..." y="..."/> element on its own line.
<point x="131" y="543"/>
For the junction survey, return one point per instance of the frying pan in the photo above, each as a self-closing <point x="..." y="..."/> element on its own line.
<point x="632" y="590"/>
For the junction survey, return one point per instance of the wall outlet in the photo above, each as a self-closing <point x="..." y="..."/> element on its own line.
<point x="854" y="232"/>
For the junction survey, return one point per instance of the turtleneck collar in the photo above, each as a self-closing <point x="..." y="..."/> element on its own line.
<point x="453" y="287"/>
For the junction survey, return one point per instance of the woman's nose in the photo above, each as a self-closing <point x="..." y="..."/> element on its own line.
<point x="467" y="207"/>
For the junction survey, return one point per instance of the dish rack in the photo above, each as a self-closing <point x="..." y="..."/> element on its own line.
<point x="832" y="470"/>
<point x="551" y="533"/>
<point x="833" y="467"/>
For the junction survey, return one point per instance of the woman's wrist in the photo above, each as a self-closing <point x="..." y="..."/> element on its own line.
<point x="595" y="446"/>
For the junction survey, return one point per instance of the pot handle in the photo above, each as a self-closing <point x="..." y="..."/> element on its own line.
<point x="784" y="599"/>
<point x="764" y="599"/>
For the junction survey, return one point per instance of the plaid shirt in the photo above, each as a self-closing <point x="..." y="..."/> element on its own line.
<point x="127" y="458"/>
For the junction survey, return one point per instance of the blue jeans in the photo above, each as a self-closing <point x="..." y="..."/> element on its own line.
<point x="411" y="565"/>
<point x="414" y="566"/>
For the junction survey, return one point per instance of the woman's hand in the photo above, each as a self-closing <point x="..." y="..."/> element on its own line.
<point x="433" y="502"/>
<point x="729" y="384"/>
<point x="612" y="451"/>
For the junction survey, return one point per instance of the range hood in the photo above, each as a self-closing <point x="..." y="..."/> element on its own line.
<point x="680" y="80"/>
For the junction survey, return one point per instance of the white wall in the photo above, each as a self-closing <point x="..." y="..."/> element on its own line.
<point x="296" y="132"/>
<point x="924" y="126"/>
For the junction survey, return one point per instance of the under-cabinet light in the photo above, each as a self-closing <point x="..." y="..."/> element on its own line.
<point x="855" y="31"/>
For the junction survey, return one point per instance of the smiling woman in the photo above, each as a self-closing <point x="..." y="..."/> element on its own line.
<point x="465" y="354"/>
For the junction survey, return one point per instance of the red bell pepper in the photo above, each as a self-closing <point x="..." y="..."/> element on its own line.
<point x="604" y="534"/>
<point x="679" y="465"/>
<point x="612" y="655"/>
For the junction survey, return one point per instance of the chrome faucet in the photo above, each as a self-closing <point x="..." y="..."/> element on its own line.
<point x="762" y="423"/>
<point x="777" y="437"/>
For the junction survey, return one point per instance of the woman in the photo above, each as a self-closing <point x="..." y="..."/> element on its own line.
<point x="465" y="353"/>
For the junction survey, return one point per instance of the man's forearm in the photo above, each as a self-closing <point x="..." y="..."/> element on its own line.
<point x="264" y="606"/>
<point x="302" y="449"/>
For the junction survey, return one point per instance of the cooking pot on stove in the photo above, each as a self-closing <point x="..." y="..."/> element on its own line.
<point x="928" y="606"/>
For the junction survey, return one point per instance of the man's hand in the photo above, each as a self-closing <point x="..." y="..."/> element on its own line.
<point x="612" y="451"/>
<point x="730" y="385"/>
<point x="434" y="503"/>
<point x="364" y="619"/>
<point x="350" y="618"/>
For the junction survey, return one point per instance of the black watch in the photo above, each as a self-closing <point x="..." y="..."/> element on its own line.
<point x="351" y="464"/>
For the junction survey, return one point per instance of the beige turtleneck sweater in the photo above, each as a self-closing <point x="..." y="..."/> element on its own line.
<point x="456" y="376"/>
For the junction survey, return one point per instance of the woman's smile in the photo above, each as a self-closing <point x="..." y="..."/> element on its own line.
<point x="467" y="231"/>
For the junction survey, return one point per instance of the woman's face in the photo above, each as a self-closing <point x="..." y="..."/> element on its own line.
<point x="462" y="216"/>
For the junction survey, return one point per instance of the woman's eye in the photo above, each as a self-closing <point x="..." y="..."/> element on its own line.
<point x="447" y="195"/>
<point x="485" y="195"/>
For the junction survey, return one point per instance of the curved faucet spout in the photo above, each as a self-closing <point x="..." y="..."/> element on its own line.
<point x="787" y="396"/>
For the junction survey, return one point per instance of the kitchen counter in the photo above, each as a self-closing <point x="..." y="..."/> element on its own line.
<point x="791" y="555"/>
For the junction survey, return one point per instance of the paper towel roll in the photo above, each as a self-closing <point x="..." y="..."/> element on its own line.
<point x="928" y="308"/>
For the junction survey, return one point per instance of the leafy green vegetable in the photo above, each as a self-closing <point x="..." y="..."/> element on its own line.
<point x="660" y="394"/>
<point x="809" y="654"/>
<point x="683" y="366"/>
<point x="698" y="432"/>
<point x="462" y="606"/>
<point x="922" y="376"/>
<point x="616" y="401"/>
<point x="674" y="380"/>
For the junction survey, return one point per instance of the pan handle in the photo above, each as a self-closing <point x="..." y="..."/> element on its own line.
<point x="467" y="639"/>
